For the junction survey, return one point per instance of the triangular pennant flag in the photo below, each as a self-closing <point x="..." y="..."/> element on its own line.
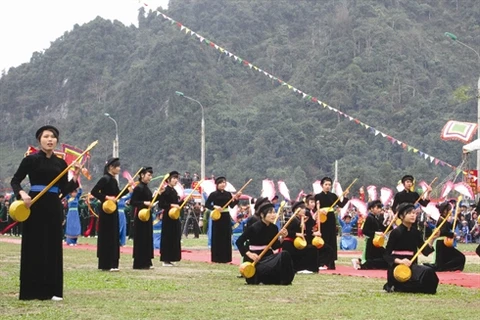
<point x="304" y="95"/>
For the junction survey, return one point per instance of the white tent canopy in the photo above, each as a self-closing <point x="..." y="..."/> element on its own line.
<point x="472" y="146"/>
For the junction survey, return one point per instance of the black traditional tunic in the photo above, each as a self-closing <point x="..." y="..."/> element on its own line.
<point x="221" y="251"/>
<point x="143" y="236"/>
<point x="303" y="259"/>
<point x="41" y="265"/>
<point x="309" y="225"/>
<point x="406" y="196"/>
<point x="329" y="227"/>
<point x="404" y="243"/>
<point x="447" y="258"/>
<point x="170" y="247"/>
<point x="373" y="256"/>
<point x="108" y="244"/>
<point x="272" y="268"/>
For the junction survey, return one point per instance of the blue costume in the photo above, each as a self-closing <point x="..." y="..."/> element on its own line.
<point x="209" y="232"/>
<point x="122" y="220"/>
<point x="347" y="241"/>
<point x="237" y="230"/>
<point x="73" y="227"/>
<point x="157" y="233"/>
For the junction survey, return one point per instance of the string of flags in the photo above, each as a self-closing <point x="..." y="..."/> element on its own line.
<point x="305" y="95"/>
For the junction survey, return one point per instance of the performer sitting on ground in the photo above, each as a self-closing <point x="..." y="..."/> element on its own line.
<point x="372" y="255"/>
<point x="272" y="268"/>
<point x="401" y="247"/>
<point x="447" y="258"/>
<point x="305" y="257"/>
<point x="237" y="229"/>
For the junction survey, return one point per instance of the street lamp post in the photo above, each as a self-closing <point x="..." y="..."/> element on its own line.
<point x="115" y="152"/>
<point x="202" y="156"/>
<point x="454" y="38"/>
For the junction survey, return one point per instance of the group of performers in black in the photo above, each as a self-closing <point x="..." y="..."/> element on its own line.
<point x="41" y="270"/>
<point x="402" y="245"/>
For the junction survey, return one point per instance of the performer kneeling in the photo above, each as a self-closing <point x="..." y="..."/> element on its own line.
<point x="447" y="258"/>
<point x="401" y="247"/>
<point x="304" y="258"/>
<point x="272" y="268"/>
<point x="372" y="255"/>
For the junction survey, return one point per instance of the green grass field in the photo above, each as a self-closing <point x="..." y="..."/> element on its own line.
<point x="212" y="291"/>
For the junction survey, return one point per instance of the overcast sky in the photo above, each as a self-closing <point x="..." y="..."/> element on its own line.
<point x="30" y="25"/>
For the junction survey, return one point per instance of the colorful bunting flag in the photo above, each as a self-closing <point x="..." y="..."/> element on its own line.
<point x="462" y="131"/>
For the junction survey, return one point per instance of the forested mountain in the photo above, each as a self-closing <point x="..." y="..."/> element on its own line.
<point x="385" y="63"/>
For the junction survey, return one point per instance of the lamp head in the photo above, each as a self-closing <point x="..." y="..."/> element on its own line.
<point x="178" y="93"/>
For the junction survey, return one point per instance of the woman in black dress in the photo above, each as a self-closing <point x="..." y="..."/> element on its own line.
<point x="108" y="244"/>
<point x="143" y="236"/>
<point x="222" y="228"/>
<point x="403" y="243"/>
<point x="447" y="258"/>
<point x="273" y="268"/>
<point x="41" y="265"/>
<point x="170" y="246"/>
